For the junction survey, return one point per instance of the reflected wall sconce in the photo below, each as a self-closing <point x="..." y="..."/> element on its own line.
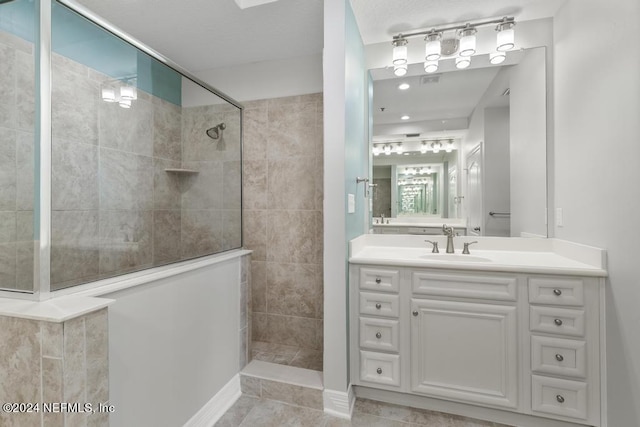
<point x="460" y="44"/>
<point x="123" y="91"/>
<point x="436" y="146"/>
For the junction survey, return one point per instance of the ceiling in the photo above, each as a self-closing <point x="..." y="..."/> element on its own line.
<point x="204" y="34"/>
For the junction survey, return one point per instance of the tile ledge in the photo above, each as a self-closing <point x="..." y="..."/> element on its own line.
<point x="56" y="310"/>
<point x="283" y="373"/>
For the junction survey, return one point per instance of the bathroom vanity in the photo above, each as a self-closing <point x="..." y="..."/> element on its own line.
<point x="515" y="327"/>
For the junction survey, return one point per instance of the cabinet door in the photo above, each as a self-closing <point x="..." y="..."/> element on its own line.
<point x="464" y="351"/>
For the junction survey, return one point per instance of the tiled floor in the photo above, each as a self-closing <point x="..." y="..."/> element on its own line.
<point x="251" y="411"/>
<point x="287" y="355"/>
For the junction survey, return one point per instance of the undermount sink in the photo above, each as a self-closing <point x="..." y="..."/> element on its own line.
<point x="455" y="257"/>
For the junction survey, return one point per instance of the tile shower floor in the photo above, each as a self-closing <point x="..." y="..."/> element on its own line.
<point x="251" y="411"/>
<point x="287" y="355"/>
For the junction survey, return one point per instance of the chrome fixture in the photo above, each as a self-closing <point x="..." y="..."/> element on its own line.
<point x="449" y="232"/>
<point x="216" y="131"/>
<point x="122" y="90"/>
<point x="462" y="44"/>
<point x="465" y="250"/>
<point x="494" y="214"/>
<point x="435" y="246"/>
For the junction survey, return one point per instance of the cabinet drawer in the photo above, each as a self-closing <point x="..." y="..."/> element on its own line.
<point x="379" y="334"/>
<point x="559" y="397"/>
<point x="379" y="279"/>
<point x="379" y="304"/>
<point x="501" y="288"/>
<point x="558" y="356"/>
<point x="556" y="291"/>
<point x="380" y="368"/>
<point x="554" y="320"/>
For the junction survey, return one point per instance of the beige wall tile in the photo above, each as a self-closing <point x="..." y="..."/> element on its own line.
<point x="254" y="184"/>
<point x="52" y="339"/>
<point x="291" y="237"/>
<point x="74" y="175"/>
<point x="293" y="289"/>
<point x="258" y="286"/>
<point x="97" y="357"/>
<point x="255" y="234"/>
<point x="52" y="386"/>
<point x="166" y="232"/>
<point x="289" y="127"/>
<point x="292" y="183"/>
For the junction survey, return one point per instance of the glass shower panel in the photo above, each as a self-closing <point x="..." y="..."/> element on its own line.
<point x="145" y="162"/>
<point x="17" y="136"/>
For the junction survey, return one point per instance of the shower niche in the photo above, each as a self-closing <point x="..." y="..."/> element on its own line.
<point x="145" y="159"/>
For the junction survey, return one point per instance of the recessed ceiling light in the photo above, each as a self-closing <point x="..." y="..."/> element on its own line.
<point x="404" y="86"/>
<point x="405" y="117"/>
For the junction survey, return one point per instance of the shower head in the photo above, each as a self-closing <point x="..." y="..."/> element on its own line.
<point x="216" y="131"/>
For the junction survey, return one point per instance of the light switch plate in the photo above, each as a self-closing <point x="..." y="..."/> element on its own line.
<point x="351" y="203"/>
<point x="559" y="218"/>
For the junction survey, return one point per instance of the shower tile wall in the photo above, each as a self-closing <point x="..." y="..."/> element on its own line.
<point x="283" y="184"/>
<point x="114" y="207"/>
<point x="382" y="199"/>
<point x="16" y="162"/>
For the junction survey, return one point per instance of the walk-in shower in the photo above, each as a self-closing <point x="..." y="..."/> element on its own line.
<point x="126" y="151"/>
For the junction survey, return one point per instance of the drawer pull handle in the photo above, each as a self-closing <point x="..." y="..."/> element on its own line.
<point x="559" y="357"/>
<point x="558" y="322"/>
<point x="560" y="399"/>
<point x="557" y="292"/>
<point x="415" y="312"/>
<point x="378" y="280"/>
<point x="378" y="335"/>
<point x="378" y="306"/>
<point x="379" y="371"/>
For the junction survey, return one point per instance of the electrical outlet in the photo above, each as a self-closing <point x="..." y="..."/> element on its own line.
<point x="559" y="218"/>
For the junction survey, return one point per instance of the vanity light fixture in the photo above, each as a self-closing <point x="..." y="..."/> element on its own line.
<point x="506" y="35"/>
<point x="497" y="57"/>
<point x="399" y="148"/>
<point x="108" y="94"/>
<point x="125" y="103"/>
<point x="468" y="40"/>
<point x="432" y="46"/>
<point x="128" y="93"/>
<point x="387" y="149"/>
<point x="436" y="147"/>
<point x="429" y="171"/>
<point x="122" y="90"/>
<point x="376" y="150"/>
<point x="424" y="147"/>
<point x="404" y="86"/>
<point x="463" y="43"/>
<point x="405" y="117"/>
<point x="463" y="62"/>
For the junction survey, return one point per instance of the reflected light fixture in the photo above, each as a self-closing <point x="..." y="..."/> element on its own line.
<point x="108" y="94"/>
<point x="399" y="50"/>
<point x="404" y="86"/>
<point x="124" y="103"/>
<point x="506" y="35"/>
<point x="405" y="117"/>
<point x="432" y="46"/>
<point x="430" y="66"/>
<point x="497" y="57"/>
<point x="463" y="62"/>
<point x="400" y="70"/>
<point x="449" y="146"/>
<point x="436" y="146"/>
<point x="387" y="149"/>
<point x="424" y="148"/>
<point x="376" y="150"/>
<point x="468" y="40"/>
<point x="399" y="148"/>
<point x="128" y="93"/>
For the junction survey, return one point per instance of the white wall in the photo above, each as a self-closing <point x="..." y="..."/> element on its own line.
<point x="268" y="79"/>
<point x="173" y="344"/>
<point x="528" y="134"/>
<point x="597" y="133"/>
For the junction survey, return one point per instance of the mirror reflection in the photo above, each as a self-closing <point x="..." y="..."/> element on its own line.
<point x="461" y="147"/>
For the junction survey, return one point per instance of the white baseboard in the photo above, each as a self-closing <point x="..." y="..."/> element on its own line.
<point x="338" y="403"/>
<point x="215" y="408"/>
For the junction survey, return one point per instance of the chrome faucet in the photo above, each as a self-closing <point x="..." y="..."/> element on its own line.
<point x="449" y="232"/>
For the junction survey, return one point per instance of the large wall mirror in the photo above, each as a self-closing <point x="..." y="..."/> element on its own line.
<point x="464" y="147"/>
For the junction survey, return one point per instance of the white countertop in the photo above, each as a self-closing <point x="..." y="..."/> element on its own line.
<point x="510" y="254"/>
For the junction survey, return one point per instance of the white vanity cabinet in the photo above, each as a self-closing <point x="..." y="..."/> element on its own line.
<point x="524" y="343"/>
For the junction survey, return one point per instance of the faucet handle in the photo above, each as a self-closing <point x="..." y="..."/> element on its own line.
<point x="465" y="250"/>
<point x="435" y="246"/>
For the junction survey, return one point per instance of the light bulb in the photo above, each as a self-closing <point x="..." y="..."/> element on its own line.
<point x="399" y="149"/>
<point x="432" y="47"/>
<point x="449" y="146"/>
<point x="467" y="41"/>
<point x="387" y="150"/>
<point x="125" y="103"/>
<point x="405" y="117"/>
<point x="506" y="36"/>
<point x="436" y="147"/>
<point x="404" y="86"/>
<point x="376" y="150"/>
<point x="497" y="57"/>
<point x="431" y="66"/>
<point x="463" y="62"/>
<point x="424" y="148"/>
